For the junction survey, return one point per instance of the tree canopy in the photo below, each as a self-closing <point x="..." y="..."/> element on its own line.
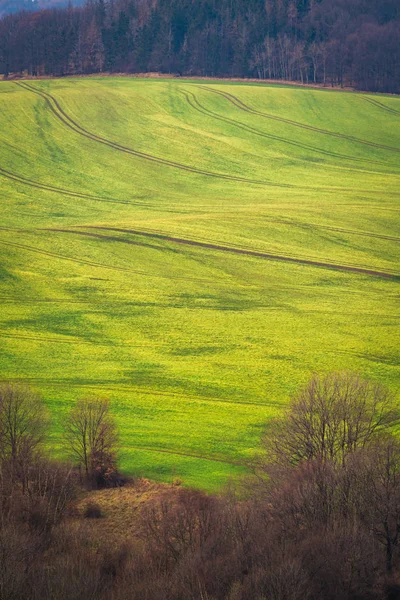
<point x="341" y="42"/>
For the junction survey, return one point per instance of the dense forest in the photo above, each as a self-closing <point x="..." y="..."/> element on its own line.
<point x="332" y="42"/>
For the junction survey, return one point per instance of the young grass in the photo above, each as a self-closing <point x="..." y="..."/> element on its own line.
<point x="130" y="212"/>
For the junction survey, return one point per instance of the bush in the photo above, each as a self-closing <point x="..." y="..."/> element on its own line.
<point x="92" y="511"/>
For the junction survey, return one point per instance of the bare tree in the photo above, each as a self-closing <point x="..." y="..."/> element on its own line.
<point x="91" y="439"/>
<point x="23" y="421"/>
<point x="49" y="490"/>
<point x="315" y="54"/>
<point x="18" y="548"/>
<point x="375" y="473"/>
<point x="330" y="418"/>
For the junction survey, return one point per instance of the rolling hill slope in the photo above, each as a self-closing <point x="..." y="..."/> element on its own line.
<point x="194" y="251"/>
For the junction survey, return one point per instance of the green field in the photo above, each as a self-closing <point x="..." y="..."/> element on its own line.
<point x="194" y="251"/>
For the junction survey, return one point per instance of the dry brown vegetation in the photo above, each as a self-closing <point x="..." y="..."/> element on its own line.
<point x="321" y="524"/>
<point x="91" y="440"/>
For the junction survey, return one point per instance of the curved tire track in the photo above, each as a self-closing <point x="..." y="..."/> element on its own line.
<point x="74" y="126"/>
<point x="368" y="234"/>
<point x="311" y="226"/>
<point x="77" y="342"/>
<point x="40" y="339"/>
<point x="95" y="264"/>
<point x="71" y="124"/>
<point x="242" y="106"/>
<point x="120" y="388"/>
<point x="207" y="245"/>
<point x="246" y="252"/>
<point x="62" y="191"/>
<point x="63" y="257"/>
<point x="382" y="106"/>
<point x="188" y="455"/>
<point x="195" y="104"/>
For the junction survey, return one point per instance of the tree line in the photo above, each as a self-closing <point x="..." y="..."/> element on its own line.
<point x="13" y="6"/>
<point x="319" y="516"/>
<point x="330" y="42"/>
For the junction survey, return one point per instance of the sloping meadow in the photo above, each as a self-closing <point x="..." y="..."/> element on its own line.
<point x="194" y="251"/>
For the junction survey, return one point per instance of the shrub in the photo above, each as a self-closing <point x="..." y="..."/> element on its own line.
<point x="92" y="511"/>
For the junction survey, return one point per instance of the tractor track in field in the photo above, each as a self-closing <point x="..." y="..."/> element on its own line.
<point x="74" y="126"/>
<point x="382" y="106"/>
<point x="242" y="106"/>
<point x="10" y="300"/>
<point x="195" y="104"/>
<point x="99" y="265"/>
<point x="102" y="237"/>
<point x="62" y="191"/>
<point x="307" y="226"/>
<point x="193" y="243"/>
<point x="63" y="257"/>
<point x="237" y="250"/>
<point x="312" y="226"/>
<point x="120" y="388"/>
<point x="77" y="342"/>
<point x="60" y="114"/>
<point x="47" y="340"/>
<point x="188" y="455"/>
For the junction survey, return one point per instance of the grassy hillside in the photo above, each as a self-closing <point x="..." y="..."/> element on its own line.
<point x="194" y="251"/>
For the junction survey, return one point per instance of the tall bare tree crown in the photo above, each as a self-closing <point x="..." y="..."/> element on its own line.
<point x="331" y="417"/>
